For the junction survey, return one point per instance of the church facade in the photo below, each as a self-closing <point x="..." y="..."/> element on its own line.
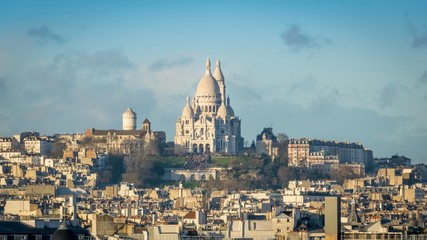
<point x="208" y="122"/>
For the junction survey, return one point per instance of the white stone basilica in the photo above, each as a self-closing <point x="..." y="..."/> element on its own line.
<point x="208" y="123"/>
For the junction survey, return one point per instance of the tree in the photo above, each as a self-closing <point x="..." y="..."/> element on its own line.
<point x="234" y="184"/>
<point x="271" y="170"/>
<point x="253" y="146"/>
<point x="113" y="172"/>
<point x="58" y="149"/>
<point x="343" y="173"/>
<point x="138" y="165"/>
<point x="282" y="137"/>
<point x="282" y="145"/>
<point x="105" y="176"/>
<point x="256" y="163"/>
<point x="286" y="174"/>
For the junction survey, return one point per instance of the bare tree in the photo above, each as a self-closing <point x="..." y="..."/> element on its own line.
<point x="138" y="164"/>
<point x="282" y="137"/>
<point x="343" y="173"/>
<point x="58" y="149"/>
<point x="282" y="144"/>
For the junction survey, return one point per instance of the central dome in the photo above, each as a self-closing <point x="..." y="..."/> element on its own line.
<point x="208" y="86"/>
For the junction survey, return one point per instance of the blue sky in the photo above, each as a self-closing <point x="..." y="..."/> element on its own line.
<point x="339" y="70"/>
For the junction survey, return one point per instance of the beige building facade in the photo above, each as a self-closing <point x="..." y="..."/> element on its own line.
<point x="266" y="143"/>
<point x="38" y="145"/>
<point x="298" y="151"/>
<point x="8" y="144"/>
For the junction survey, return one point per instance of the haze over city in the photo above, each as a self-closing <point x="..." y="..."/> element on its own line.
<point x="346" y="71"/>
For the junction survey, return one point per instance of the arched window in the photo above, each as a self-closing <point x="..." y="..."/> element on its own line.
<point x="210" y="108"/>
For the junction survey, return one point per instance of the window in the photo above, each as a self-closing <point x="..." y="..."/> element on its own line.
<point x="20" y="237"/>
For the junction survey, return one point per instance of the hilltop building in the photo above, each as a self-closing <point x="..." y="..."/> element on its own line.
<point x="8" y="143"/>
<point x="266" y="143"/>
<point x="38" y="145"/>
<point x="208" y="123"/>
<point x="127" y="139"/>
<point x="304" y="150"/>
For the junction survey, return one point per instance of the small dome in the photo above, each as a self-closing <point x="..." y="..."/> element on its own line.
<point x="63" y="233"/>
<point x="188" y="110"/>
<point x="230" y="111"/>
<point x="208" y="85"/>
<point x="222" y="111"/>
<point x="229" y="108"/>
<point x="129" y="112"/>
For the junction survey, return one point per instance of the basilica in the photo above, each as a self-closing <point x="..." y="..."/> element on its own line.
<point x="208" y="122"/>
